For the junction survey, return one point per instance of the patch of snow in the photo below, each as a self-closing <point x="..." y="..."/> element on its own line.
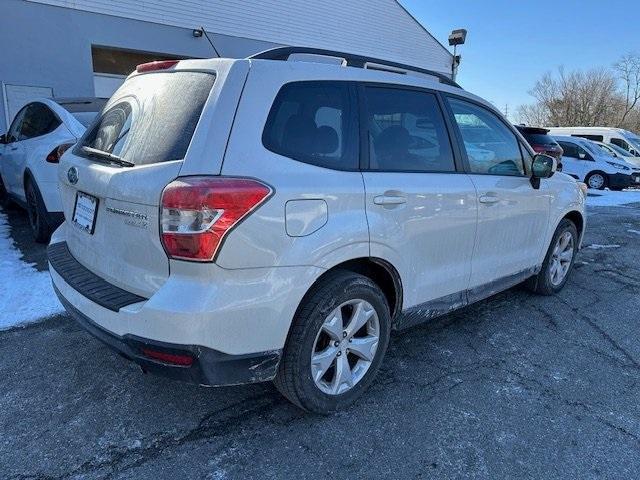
<point x="608" y="198"/>
<point x="637" y="232"/>
<point x="26" y="295"/>
<point x="595" y="246"/>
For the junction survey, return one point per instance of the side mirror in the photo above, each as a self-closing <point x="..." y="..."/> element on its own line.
<point x="543" y="166"/>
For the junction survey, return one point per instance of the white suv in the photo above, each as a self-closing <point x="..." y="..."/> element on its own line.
<point x="237" y="221"/>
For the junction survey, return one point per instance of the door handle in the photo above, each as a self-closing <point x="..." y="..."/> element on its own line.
<point x="488" y="199"/>
<point x="13" y="149"/>
<point x="389" y="200"/>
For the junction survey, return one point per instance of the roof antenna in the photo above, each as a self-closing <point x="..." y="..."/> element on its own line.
<point x="198" y="32"/>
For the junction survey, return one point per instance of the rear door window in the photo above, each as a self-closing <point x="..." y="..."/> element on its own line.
<point x="38" y="120"/>
<point x="315" y="123"/>
<point x="407" y="132"/>
<point x="151" y="118"/>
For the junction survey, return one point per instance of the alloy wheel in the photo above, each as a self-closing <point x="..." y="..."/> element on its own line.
<point x="596" y="181"/>
<point x="345" y="347"/>
<point x="561" y="258"/>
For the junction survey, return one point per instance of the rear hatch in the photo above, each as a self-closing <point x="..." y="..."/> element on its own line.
<point x="112" y="181"/>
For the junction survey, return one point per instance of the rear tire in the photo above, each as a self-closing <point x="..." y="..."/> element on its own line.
<point x="597" y="180"/>
<point x="38" y="215"/>
<point x="4" y="195"/>
<point x="347" y="362"/>
<point x="559" y="261"/>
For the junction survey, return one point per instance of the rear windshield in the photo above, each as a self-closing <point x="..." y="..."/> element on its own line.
<point x="539" y="139"/>
<point x="151" y="118"/>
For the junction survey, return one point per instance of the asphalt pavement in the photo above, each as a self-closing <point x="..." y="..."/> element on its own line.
<point x="517" y="386"/>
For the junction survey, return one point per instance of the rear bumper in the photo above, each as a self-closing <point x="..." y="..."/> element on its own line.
<point x="234" y="323"/>
<point x="209" y="367"/>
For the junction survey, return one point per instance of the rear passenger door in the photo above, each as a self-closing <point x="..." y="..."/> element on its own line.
<point x="513" y="217"/>
<point x="420" y="207"/>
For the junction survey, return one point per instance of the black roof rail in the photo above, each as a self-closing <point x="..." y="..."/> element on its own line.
<point x="352" y="60"/>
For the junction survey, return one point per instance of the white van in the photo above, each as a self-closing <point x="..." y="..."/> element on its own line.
<point x="615" y="136"/>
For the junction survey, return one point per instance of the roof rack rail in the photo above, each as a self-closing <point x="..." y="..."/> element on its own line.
<point x="352" y="60"/>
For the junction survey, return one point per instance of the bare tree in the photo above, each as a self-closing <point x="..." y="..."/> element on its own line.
<point x="577" y="98"/>
<point x="628" y="70"/>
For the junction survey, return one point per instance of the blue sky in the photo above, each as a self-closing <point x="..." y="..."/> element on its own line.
<point x="511" y="43"/>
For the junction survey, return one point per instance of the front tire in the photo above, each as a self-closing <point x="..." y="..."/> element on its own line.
<point x="559" y="261"/>
<point x="597" y="180"/>
<point x="38" y="215"/>
<point x="336" y="345"/>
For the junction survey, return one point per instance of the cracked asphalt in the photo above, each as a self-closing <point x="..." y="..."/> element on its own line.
<point x="517" y="386"/>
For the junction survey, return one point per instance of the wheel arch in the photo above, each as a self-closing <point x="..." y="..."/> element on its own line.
<point x="578" y="220"/>
<point x="380" y="271"/>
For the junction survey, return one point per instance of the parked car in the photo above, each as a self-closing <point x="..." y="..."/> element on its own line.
<point x="542" y="142"/>
<point x="625" y="139"/>
<point x="30" y="151"/>
<point x="619" y="152"/>
<point x="585" y="161"/>
<point x="248" y="234"/>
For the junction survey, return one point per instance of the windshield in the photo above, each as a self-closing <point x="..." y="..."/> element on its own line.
<point x="634" y="140"/>
<point x="606" y="149"/>
<point x="150" y="119"/>
<point x="619" y="150"/>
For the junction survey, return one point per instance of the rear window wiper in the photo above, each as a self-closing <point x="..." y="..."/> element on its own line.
<point x="110" y="157"/>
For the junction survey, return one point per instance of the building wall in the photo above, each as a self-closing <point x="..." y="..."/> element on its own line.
<point x="49" y="46"/>
<point x="377" y="28"/>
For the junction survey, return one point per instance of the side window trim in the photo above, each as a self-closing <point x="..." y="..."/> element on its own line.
<point x="460" y="141"/>
<point x="363" y="112"/>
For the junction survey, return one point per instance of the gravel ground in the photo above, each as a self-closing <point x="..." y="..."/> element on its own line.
<point x="517" y="386"/>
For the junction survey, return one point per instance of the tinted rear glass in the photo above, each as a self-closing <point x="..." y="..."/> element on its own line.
<point x="151" y="118"/>
<point x="539" y="139"/>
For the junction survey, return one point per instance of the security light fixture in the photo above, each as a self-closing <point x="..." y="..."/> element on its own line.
<point x="457" y="37"/>
<point x="197" y="32"/>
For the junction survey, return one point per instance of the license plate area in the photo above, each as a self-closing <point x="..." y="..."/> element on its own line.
<point x="85" y="212"/>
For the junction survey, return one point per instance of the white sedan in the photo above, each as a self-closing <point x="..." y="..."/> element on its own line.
<point x="29" y="153"/>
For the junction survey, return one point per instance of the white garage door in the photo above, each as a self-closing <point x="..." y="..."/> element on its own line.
<point x="17" y="96"/>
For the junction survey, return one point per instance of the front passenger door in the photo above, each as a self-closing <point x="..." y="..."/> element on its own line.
<point x="513" y="217"/>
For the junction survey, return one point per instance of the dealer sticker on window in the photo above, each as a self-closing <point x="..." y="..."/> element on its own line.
<point x="84" y="213"/>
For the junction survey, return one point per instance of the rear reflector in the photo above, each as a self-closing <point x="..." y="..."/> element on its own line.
<point x="160" y="65"/>
<point x="56" y="153"/>
<point x="198" y="213"/>
<point x="172" y="358"/>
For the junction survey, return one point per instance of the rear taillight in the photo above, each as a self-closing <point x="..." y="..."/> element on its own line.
<point x="159" y="65"/>
<point x="539" y="148"/>
<point x="198" y="213"/>
<point x="56" y="153"/>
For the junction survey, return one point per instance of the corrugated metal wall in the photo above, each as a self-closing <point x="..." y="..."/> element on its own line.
<point x="379" y="28"/>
